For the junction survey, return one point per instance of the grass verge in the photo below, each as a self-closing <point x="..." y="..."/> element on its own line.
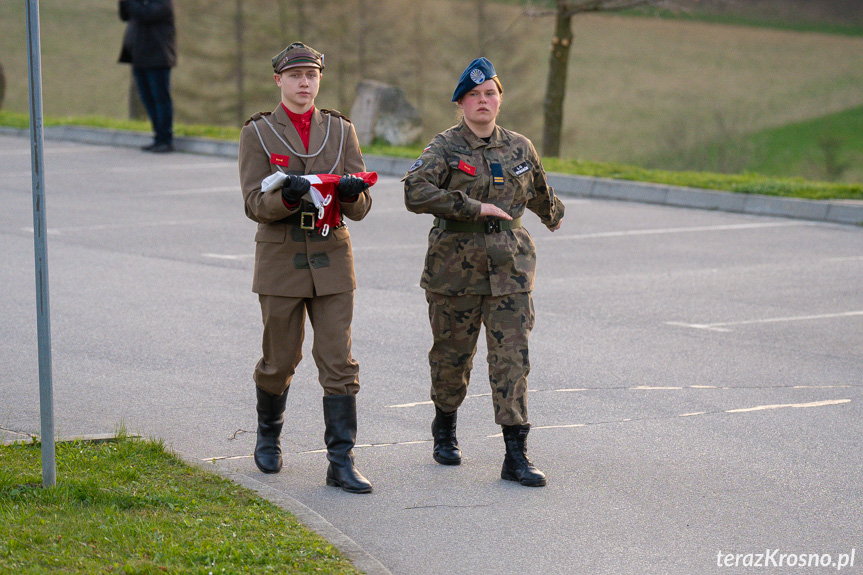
<point x="747" y="183"/>
<point x="130" y="507"/>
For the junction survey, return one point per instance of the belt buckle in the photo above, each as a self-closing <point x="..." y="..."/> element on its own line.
<point x="307" y="220"/>
<point x="492" y="226"/>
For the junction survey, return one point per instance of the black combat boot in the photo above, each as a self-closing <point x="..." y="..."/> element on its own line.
<point x="271" y="417"/>
<point x="446" y="451"/>
<point x="340" y="417"/>
<point x="516" y="465"/>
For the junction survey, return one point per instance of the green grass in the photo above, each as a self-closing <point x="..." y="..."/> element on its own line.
<point x="21" y="121"/>
<point x="130" y="507"/>
<point x="776" y="23"/>
<point x="826" y="147"/>
<point x="746" y="183"/>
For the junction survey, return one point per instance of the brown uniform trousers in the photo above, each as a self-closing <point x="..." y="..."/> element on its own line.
<point x="299" y="271"/>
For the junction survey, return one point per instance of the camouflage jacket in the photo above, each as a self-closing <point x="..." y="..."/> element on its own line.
<point x="450" y="180"/>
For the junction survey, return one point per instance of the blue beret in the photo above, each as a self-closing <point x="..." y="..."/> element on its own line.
<point x="475" y="74"/>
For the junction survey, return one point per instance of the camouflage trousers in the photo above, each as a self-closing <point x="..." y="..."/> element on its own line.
<point x="455" y="324"/>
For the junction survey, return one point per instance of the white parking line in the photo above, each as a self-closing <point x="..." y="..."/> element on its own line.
<point x="794" y="405"/>
<point x="100" y="227"/>
<point x="190" y="191"/>
<point x="823" y="403"/>
<point x="185" y="166"/>
<point x="229" y="257"/>
<point x="725" y="326"/>
<point x="659" y="231"/>
<point x="49" y="151"/>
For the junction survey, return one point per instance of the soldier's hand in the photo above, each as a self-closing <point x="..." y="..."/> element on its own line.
<point x="294" y="188"/>
<point x="350" y="187"/>
<point x="493" y="211"/>
<point x="556" y="227"/>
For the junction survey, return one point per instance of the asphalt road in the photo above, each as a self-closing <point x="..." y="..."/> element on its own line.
<point x="695" y="390"/>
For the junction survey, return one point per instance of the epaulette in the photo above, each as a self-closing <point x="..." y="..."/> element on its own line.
<point x="256" y="116"/>
<point x="336" y="113"/>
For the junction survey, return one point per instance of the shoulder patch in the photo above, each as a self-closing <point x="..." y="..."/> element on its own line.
<point x="256" y="116"/>
<point x="522" y="168"/>
<point x="415" y="166"/>
<point x="336" y="114"/>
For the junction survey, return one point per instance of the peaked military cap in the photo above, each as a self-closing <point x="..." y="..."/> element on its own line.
<point x="475" y="74"/>
<point x="296" y="55"/>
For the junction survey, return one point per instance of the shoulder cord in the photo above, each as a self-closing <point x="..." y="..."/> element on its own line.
<point x="263" y="145"/>
<point x="326" y="137"/>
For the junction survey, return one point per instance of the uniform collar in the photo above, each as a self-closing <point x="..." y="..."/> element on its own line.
<point x="497" y="137"/>
<point x="317" y="132"/>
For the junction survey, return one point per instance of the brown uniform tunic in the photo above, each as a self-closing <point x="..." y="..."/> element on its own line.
<point x="300" y="270"/>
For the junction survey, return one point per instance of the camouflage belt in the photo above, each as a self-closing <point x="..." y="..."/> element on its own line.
<point x="487" y="227"/>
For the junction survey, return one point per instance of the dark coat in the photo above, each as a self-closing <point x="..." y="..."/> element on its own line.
<point x="151" y="38"/>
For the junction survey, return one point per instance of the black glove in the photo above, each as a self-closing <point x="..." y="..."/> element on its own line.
<point x="350" y="187"/>
<point x="294" y="188"/>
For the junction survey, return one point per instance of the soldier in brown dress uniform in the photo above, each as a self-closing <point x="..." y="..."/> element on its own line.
<point x="477" y="179"/>
<point x="300" y="266"/>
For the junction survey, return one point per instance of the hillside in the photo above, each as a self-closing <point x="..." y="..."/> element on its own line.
<point x="638" y="87"/>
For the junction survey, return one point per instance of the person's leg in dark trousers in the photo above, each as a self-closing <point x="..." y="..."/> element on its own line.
<point x="154" y="87"/>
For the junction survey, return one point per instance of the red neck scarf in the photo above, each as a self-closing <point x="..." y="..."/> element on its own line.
<point x="303" y="123"/>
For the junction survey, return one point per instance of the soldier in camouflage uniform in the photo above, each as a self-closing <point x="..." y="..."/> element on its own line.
<point x="477" y="178"/>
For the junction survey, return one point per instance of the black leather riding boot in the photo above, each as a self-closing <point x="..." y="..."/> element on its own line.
<point x="446" y="451"/>
<point x="516" y="465"/>
<point x="340" y="417"/>
<point x="271" y="417"/>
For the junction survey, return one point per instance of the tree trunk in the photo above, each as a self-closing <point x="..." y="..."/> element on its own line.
<point x="556" y="87"/>
<point x="283" y="23"/>
<point x="482" y="27"/>
<point x="361" y="40"/>
<point x="301" y="22"/>
<point x="2" y="86"/>
<point x="241" y="88"/>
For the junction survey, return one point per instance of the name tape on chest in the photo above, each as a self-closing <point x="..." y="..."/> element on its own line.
<point x="280" y="160"/>
<point x="466" y="168"/>
<point x="522" y="168"/>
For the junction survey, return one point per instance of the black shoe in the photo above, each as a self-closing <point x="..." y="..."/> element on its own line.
<point x="516" y="465"/>
<point x="340" y="417"/>
<point x="446" y="451"/>
<point x="149" y="148"/>
<point x="162" y="148"/>
<point x="271" y="417"/>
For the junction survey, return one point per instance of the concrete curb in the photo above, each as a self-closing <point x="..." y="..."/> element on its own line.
<point x="816" y="210"/>
<point x="839" y="212"/>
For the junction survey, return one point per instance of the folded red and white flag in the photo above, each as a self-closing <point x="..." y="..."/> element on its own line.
<point x="323" y="195"/>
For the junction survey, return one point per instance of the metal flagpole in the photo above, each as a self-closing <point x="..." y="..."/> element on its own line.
<point x="43" y="316"/>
